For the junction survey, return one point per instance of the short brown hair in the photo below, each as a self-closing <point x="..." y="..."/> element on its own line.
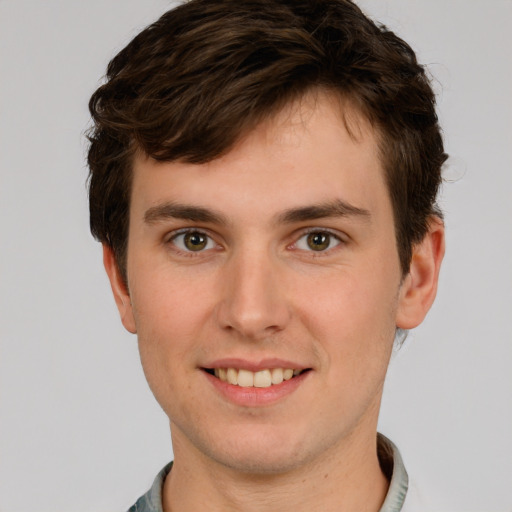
<point x="191" y="84"/>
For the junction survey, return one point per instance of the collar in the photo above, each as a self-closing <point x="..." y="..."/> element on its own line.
<point x="390" y="462"/>
<point x="393" y="467"/>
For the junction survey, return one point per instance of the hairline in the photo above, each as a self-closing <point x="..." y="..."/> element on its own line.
<point x="348" y="104"/>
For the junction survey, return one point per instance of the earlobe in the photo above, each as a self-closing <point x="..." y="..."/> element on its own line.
<point x="419" y="286"/>
<point x="121" y="295"/>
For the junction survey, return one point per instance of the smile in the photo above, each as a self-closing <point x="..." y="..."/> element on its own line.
<point x="260" y="379"/>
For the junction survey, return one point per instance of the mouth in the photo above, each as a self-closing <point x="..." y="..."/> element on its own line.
<point x="261" y="379"/>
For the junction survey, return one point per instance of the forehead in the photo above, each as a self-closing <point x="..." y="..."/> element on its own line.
<point x="316" y="149"/>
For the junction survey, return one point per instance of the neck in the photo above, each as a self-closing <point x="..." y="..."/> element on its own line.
<point x="347" y="478"/>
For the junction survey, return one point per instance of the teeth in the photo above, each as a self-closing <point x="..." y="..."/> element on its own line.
<point x="261" y="379"/>
<point x="277" y="375"/>
<point x="245" y="378"/>
<point x="232" y="376"/>
<point x="287" y="374"/>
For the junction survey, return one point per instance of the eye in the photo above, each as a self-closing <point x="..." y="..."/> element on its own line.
<point x="317" y="241"/>
<point x="192" y="241"/>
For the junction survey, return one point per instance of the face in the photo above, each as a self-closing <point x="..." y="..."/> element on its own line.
<point x="265" y="289"/>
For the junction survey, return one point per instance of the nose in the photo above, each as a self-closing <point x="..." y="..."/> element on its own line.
<point x="253" y="300"/>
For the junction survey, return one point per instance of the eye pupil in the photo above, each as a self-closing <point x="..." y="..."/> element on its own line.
<point x="195" y="241"/>
<point x="318" y="241"/>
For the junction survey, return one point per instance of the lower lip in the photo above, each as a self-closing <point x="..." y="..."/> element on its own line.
<point x="256" y="397"/>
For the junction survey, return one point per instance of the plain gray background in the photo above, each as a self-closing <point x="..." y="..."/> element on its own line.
<point x="79" y="429"/>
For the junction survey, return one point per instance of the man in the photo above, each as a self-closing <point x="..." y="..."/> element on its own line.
<point x="263" y="180"/>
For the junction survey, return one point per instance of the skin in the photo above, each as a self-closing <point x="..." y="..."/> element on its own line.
<point x="258" y="293"/>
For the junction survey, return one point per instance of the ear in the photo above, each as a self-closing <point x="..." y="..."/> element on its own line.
<point x="419" y="287"/>
<point x="121" y="295"/>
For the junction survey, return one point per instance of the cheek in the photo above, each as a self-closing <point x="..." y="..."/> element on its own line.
<point x="348" y="301"/>
<point x="167" y="302"/>
<point x="170" y="315"/>
<point x="345" y="314"/>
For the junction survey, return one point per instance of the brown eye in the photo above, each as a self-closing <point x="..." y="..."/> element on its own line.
<point x="195" y="241"/>
<point x="318" y="241"/>
<point x="192" y="241"/>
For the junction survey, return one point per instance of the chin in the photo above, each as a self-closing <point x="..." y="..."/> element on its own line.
<point x="255" y="464"/>
<point x="261" y="453"/>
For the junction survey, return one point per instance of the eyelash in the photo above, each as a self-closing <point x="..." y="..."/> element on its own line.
<point x="190" y="231"/>
<point x="210" y="240"/>
<point x="334" y="237"/>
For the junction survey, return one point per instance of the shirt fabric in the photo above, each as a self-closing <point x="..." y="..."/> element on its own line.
<point x="397" y="498"/>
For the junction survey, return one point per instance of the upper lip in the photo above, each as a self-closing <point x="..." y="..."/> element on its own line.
<point x="254" y="366"/>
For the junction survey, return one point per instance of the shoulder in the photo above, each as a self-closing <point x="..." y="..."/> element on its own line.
<point x="414" y="501"/>
<point x="152" y="500"/>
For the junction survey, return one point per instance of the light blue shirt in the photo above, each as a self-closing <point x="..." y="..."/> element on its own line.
<point x="389" y="457"/>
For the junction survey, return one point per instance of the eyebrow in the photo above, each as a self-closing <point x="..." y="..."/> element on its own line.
<point x="336" y="208"/>
<point x="172" y="210"/>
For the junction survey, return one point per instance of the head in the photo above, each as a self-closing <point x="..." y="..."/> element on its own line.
<point x="263" y="180"/>
<point x="205" y="74"/>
